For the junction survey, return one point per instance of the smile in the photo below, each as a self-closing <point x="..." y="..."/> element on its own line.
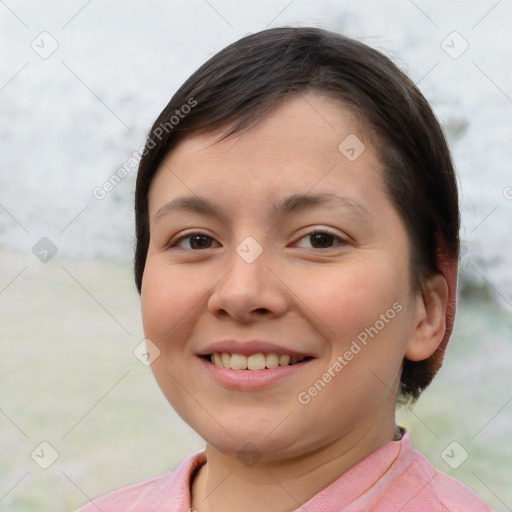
<point x="252" y="362"/>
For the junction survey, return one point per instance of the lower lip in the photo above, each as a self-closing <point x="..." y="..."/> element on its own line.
<point x="252" y="379"/>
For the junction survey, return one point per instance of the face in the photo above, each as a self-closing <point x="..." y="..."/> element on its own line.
<point x="276" y="247"/>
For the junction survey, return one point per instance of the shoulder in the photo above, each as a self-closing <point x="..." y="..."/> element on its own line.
<point x="168" y="492"/>
<point x="428" y="487"/>
<point x="132" y="497"/>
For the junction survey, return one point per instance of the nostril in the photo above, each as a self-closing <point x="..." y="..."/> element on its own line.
<point x="261" y="310"/>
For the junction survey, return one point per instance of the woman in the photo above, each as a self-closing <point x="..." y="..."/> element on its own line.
<point x="297" y="242"/>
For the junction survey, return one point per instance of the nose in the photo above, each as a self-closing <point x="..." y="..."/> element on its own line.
<point x="248" y="291"/>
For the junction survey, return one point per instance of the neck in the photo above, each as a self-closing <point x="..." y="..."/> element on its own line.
<point x="225" y="483"/>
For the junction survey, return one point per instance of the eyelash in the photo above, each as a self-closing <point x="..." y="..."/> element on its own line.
<point x="174" y="243"/>
<point x="323" y="231"/>
<point x="318" y="231"/>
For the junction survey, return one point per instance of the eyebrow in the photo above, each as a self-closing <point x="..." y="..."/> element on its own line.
<point x="280" y="208"/>
<point x="190" y="203"/>
<point x="303" y="201"/>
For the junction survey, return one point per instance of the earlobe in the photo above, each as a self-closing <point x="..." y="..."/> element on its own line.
<point x="430" y="319"/>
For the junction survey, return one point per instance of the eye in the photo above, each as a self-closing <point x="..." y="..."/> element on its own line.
<point x="194" y="241"/>
<point x="320" y="240"/>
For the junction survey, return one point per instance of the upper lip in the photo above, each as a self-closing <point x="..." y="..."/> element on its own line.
<point x="250" y="347"/>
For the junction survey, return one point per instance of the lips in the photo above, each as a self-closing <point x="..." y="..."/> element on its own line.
<point x="249" y="372"/>
<point x="251" y="355"/>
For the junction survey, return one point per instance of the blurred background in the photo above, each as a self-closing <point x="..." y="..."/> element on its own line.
<point x="80" y="84"/>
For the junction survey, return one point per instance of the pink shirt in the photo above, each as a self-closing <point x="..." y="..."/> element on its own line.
<point x="395" y="478"/>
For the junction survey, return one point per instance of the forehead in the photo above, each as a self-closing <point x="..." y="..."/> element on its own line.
<point x="308" y="122"/>
<point x="308" y="142"/>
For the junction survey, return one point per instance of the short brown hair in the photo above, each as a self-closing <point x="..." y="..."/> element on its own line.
<point x="247" y="79"/>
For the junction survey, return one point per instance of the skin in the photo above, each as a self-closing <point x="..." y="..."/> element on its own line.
<point x="297" y="293"/>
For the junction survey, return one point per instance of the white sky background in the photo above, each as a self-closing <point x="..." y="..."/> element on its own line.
<point x="70" y="120"/>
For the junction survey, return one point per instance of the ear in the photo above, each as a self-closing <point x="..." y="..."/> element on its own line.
<point x="429" y="319"/>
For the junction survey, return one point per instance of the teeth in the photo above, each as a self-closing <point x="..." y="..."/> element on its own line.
<point x="256" y="362"/>
<point x="284" y="360"/>
<point x="272" y="361"/>
<point x="226" y="359"/>
<point x="238" y="362"/>
<point x="252" y="362"/>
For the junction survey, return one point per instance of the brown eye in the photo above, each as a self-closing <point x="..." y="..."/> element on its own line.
<point x="321" y="240"/>
<point x="195" y="241"/>
<point x="200" y="242"/>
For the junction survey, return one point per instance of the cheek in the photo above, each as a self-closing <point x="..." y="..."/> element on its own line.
<point x="169" y="303"/>
<point x="170" y="306"/>
<point x="352" y="298"/>
<point x="372" y="332"/>
<point x="368" y="317"/>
